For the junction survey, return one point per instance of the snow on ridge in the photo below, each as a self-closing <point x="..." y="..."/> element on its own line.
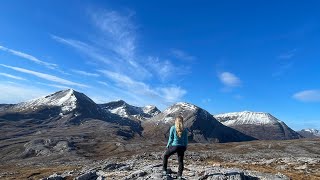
<point x="65" y="98"/>
<point x="182" y="106"/>
<point x="247" y="117"/>
<point x="313" y="131"/>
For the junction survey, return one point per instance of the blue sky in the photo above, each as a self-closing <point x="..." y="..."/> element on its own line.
<point x="223" y="56"/>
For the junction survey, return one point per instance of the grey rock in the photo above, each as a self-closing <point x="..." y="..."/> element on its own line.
<point x="91" y="175"/>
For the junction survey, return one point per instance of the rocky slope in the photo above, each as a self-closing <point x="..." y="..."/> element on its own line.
<point x="202" y="126"/>
<point x="310" y="133"/>
<point x="259" y="125"/>
<point x="124" y="109"/>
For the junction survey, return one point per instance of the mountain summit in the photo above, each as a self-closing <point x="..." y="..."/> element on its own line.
<point x="260" y="125"/>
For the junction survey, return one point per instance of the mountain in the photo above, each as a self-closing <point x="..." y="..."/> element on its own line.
<point x="259" y="125"/>
<point x="60" y="108"/>
<point x="201" y="125"/>
<point x="124" y="109"/>
<point x="310" y="133"/>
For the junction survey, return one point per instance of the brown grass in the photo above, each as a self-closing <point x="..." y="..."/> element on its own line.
<point x="291" y="173"/>
<point x="16" y="172"/>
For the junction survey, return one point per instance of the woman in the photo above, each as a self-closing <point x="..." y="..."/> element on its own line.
<point x="177" y="143"/>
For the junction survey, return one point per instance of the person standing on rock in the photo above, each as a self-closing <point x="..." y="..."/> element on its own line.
<point x="177" y="143"/>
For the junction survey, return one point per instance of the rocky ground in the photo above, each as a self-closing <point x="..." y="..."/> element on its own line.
<point x="292" y="159"/>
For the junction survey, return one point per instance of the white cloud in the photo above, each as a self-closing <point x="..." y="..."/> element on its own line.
<point x="229" y="79"/>
<point x="12" y="76"/>
<point x="29" y="57"/>
<point x="14" y="93"/>
<point x="85" y="73"/>
<point x="179" y="54"/>
<point x="45" y="76"/>
<point x="308" y="96"/>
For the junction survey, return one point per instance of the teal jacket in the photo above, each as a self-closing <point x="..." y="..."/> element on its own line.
<point x="174" y="139"/>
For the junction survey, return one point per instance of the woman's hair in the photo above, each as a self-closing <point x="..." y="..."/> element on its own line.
<point x="179" y="125"/>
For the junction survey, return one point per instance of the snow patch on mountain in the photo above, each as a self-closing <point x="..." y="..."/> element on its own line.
<point x="151" y="110"/>
<point x="247" y="117"/>
<point x="124" y="109"/>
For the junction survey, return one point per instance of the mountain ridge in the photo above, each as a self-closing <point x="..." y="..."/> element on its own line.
<point x="260" y="125"/>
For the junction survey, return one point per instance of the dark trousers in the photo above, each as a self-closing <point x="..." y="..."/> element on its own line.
<point x="171" y="150"/>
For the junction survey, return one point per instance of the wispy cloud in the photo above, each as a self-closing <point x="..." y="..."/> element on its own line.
<point x="84" y="48"/>
<point x="115" y="44"/>
<point x="229" y="79"/>
<point x="179" y="54"/>
<point x="308" y="96"/>
<point x="103" y="83"/>
<point x="206" y="100"/>
<point x="164" y="94"/>
<point x="29" y="57"/>
<point x="12" y="76"/>
<point x="238" y="97"/>
<point x="282" y="69"/>
<point x="120" y="32"/>
<point x="45" y="76"/>
<point x="85" y="73"/>
<point x="60" y="87"/>
<point x="288" y="55"/>
<point x="165" y="69"/>
<point x="285" y="64"/>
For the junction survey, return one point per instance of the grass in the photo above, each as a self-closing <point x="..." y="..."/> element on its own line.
<point x="29" y="172"/>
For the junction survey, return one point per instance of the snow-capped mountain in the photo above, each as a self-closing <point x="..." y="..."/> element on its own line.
<point x="65" y="104"/>
<point x="124" y="109"/>
<point x="310" y="133"/>
<point x="63" y="107"/>
<point x="202" y="126"/>
<point x="67" y="100"/>
<point x="260" y="125"/>
<point x="247" y="117"/>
